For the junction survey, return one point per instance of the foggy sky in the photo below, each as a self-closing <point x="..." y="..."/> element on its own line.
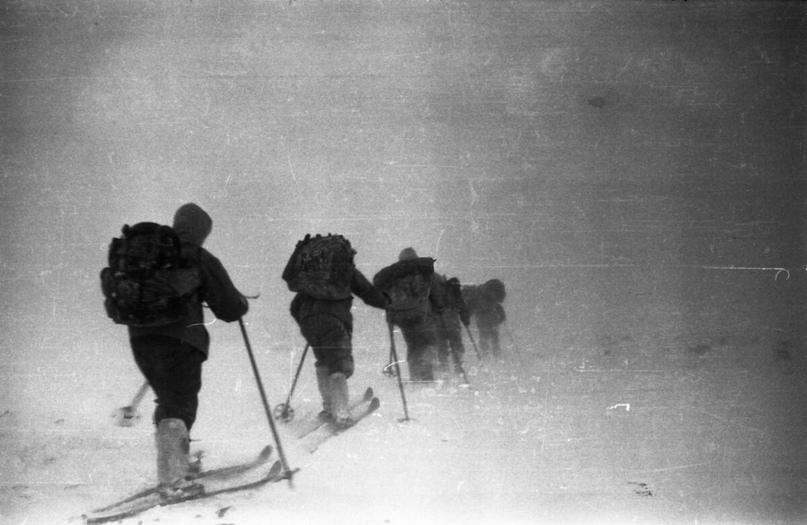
<point x="505" y="139"/>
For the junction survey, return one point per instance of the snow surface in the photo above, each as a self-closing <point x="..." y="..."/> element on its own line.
<point x="633" y="171"/>
<point x="644" y="426"/>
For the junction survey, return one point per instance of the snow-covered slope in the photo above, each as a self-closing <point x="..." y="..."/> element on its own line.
<point x="659" y="427"/>
<point x="632" y="171"/>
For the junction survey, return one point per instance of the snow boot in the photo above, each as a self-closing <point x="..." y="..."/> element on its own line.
<point x="339" y="400"/>
<point x="324" y="384"/>
<point x="173" y="444"/>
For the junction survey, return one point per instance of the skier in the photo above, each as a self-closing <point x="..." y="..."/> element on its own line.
<point x="413" y="298"/>
<point x="327" y="325"/>
<point x="484" y="304"/>
<point x="171" y="356"/>
<point x="449" y="332"/>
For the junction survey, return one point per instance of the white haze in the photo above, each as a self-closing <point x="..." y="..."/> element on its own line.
<point x="633" y="171"/>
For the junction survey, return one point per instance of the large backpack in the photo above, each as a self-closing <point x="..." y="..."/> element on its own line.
<point x="408" y="284"/>
<point x="321" y="267"/>
<point x="148" y="282"/>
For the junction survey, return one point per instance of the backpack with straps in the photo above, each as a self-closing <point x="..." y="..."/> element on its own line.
<point x="321" y="267"/>
<point x="148" y="282"/>
<point x="408" y="284"/>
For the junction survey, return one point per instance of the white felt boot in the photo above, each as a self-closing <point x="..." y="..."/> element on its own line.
<point x="173" y="444"/>
<point x="324" y="384"/>
<point x="339" y="400"/>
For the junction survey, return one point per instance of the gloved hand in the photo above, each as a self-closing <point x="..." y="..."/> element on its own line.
<point x="244" y="305"/>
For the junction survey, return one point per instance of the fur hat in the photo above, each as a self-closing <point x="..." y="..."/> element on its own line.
<point x="408" y="254"/>
<point x="192" y="224"/>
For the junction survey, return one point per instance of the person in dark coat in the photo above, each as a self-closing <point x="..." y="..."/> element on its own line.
<point x="449" y="329"/>
<point x="484" y="304"/>
<point x="413" y="299"/>
<point x="327" y="326"/>
<point x="170" y="357"/>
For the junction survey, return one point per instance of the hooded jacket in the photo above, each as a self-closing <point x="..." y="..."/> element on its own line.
<point x="192" y="224"/>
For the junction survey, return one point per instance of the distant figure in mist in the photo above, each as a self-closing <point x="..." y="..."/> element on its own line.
<point x="450" y="349"/>
<point x="170" y="356"/>
<point x="484" y="303"/>
<point x="322" y="272"/>
<point x="413" y="298"/>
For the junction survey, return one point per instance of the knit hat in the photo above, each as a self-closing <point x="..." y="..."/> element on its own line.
<point x="408" y="254"/>
<point x="192" y="224"/>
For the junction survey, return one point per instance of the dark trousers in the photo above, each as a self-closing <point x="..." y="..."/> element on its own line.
<point x="420" y="334"/>
<point x="449" y="344"/>
<point x="331" y="342"/>
<point x="449" y="337"/>
<point x="174" y="371"/>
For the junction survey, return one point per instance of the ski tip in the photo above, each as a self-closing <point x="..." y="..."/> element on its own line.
<point x="266" y="452"/>
<point x="368" y="394"/>
<point x="375" y="403"/>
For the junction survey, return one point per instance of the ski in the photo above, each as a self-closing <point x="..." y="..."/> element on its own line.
<point x="318" y="423"/>
<point x="153" y="499"/>
<point x="221" y="472"/>
<point x="328" y="430"/>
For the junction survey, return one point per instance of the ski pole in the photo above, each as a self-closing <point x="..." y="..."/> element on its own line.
<point x="284" y="411"/>
<point x="141" y="393"/>
<point x="459" y="365"/>
<point x="397" y="370"/>
<point x="129" y="415"/>
<point x="287" y="473"/>
<point x="388" y="370"/>
<point x="454" y="351"/>
<point x="478" y="355"/>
